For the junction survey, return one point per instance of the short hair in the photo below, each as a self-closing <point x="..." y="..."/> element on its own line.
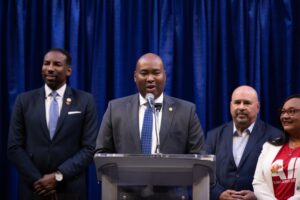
<point x="65" y="52"/>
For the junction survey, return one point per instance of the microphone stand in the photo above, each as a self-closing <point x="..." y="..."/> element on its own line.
<point x="156" y="109"/>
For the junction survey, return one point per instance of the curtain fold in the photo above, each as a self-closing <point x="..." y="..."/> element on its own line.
<point x="209" y="47"/>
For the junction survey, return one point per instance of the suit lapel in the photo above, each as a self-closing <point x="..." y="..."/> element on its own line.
<point x="228" y="139"/>
<point x="168" y="112"/>
<point x="132" y="109"/>
<point x="255" y="135"/>
<point x="42" y="112"/>
<point x="65" y="108"/>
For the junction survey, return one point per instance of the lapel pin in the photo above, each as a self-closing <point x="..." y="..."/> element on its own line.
<point x="170" y="109"/>
<point x="68" y="101"/>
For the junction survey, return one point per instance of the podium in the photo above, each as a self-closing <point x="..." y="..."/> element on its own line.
<point x="193" y="170"/>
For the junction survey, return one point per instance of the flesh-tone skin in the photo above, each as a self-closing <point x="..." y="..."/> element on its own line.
<point x="244" y="107"/>
<point x="149" y="75"/>
<point x="291" y="122"/>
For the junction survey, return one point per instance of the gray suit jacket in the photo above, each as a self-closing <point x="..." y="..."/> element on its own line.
<point x="180" y="130"/>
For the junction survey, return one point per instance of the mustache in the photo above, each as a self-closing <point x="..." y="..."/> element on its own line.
<point x="241" y="112"/>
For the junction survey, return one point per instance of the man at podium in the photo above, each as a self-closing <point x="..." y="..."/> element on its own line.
<point x="150" y="122"/>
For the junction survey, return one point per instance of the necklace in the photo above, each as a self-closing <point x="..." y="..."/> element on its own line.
<point x="291" y="151"/>
<point x="292" y="147"/>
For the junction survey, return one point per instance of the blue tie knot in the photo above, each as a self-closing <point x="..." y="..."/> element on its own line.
<point x="54" y="94"/>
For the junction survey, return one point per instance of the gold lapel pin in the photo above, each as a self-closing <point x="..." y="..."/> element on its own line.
<point x="68" y="101"/>
<point x="170" y="109"/>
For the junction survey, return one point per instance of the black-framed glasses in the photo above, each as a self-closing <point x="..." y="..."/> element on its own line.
<point x="290" y="111"/>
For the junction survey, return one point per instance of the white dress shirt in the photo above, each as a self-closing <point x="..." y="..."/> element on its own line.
<point x="239" y="142"/>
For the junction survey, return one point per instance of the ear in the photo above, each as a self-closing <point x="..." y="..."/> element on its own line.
<point x="69" y="71"/>
<point x="134" y="76"/>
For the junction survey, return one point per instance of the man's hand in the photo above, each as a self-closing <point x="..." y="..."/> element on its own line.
<point x="230" y="195"/>
<point x="237" y="195"/>
<point x="247" y="195"/>
<point x="46" y="185"/>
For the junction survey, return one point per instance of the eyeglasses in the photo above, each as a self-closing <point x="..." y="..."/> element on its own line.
<point x="290" y="112"/>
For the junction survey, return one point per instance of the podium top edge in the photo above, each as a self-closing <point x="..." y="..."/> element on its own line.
<point x="207" y="157"/>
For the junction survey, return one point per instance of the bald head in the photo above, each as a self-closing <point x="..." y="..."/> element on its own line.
<point x="246" y="90"/>
<point x="149" y="75"/>
<point x="244" y="107"/>
<point x="149" y="58"/>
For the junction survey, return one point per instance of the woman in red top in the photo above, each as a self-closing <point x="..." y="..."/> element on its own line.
<point x="277" y="174"/>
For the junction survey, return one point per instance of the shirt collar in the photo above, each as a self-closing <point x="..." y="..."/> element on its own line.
<point x="60" y="91"/>
<point x="250" y="128"/>
<point x="143" y="101"/>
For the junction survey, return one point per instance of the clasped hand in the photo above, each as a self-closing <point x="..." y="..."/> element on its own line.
<point x="237" y="195"/>
<point x="46" y="185"/>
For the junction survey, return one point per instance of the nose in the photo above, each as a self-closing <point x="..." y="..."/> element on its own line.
<point x="50" y="67"/>
<point x="241" y="105"/>
<point x="150" y="78"/>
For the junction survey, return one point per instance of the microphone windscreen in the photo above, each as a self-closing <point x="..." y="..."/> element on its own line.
<point x="150" y="96"/>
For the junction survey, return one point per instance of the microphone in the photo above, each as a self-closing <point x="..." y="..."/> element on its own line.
<point x="150" y="99"/>
<point x="156" y="107"/>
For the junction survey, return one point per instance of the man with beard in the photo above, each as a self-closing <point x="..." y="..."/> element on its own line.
<point x="52" y="134"/>
<point x="237" y="146"/>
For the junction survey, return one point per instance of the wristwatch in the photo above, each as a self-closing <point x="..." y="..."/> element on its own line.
<point x="59" y="176"/>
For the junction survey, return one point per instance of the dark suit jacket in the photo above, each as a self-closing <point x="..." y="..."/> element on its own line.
<point x="180" y="130"/>
<point x="230" y="176"/>
<point x="71" y="149"/>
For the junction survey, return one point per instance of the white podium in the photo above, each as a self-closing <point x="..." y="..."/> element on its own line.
<point x="193" y="170"/>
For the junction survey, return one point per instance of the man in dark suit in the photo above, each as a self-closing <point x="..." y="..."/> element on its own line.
<point x="178" y="131"/>
<point x="52" y="134"/>
<point x="237" y="146"/>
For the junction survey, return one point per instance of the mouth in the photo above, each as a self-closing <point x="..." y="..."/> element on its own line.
<point x="242" y="115"/>
<point x="286" y="123"/>
<point x="50" y="77"/>
<point x="150" y="88"/>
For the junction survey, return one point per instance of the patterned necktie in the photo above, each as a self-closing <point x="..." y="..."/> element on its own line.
<point x="147" y="131"/>
<point x="53" y="114"/>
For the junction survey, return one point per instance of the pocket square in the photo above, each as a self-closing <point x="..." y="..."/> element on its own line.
<point x="74" y="112"/>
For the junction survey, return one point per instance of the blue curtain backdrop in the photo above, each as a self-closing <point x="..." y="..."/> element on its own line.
<point x="209" y="47"/>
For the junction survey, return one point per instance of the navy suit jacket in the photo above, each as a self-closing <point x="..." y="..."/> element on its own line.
<point x="180" y="130"/>
<point x="230" y="176"/>
<point x="71" y="149"/>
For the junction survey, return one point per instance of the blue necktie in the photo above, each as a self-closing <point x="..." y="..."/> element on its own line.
<point x="53" y="114"/>
<point x="147" y="131"/>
